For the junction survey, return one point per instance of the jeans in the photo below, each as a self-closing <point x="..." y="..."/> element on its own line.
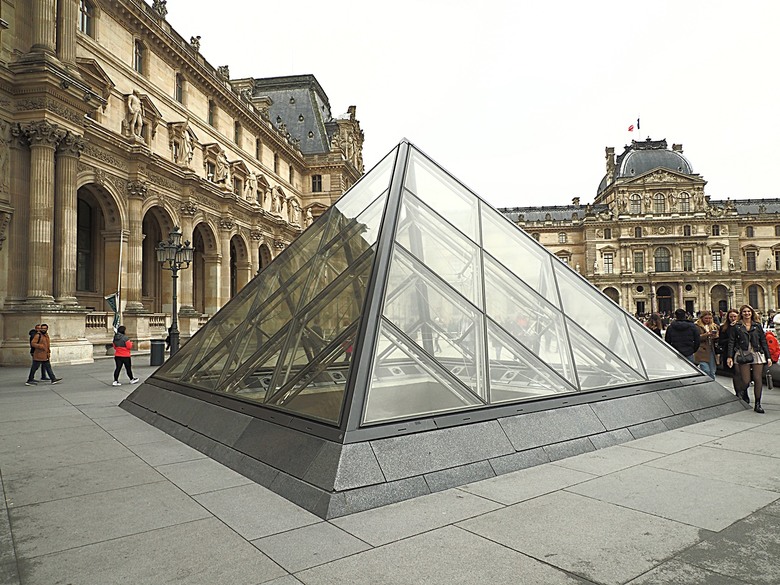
<point x="122" y="361"/>
<point x="708" y="367"/>
<point x="46" y="368"/>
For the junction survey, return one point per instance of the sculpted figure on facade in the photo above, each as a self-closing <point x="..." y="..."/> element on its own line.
<point x="222" y="170"/>
<point x="5" y="139"/>
<point x="732" y="266"/>
<point x="189" y="147"/>
<point x="135" y="116"/>
<point x="195" y="42"/>
<point x="309" y="218"/>
<point x="295" y="211"/>
<point x="768" y="264"/>
<point x="250" y="188"/>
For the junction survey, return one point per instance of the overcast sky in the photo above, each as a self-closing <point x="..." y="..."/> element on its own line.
<point x="518" y="99"/>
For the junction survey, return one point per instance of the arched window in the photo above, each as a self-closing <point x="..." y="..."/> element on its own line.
<point x="562" y="238"/>
<point x="753" y="296"/>
<point x="749" y="232"/>
<point x="663" y="260"/>
<point x="87" y="18"/>
<point x="635" y="204"/>
<point x="686" y="230"/>
<point x="84" y="246"/>
<point x="178" y="88"/>
<point x="607" y="233"/>
<point x="138" y="57"/>
<point x="685" y="202"/>
<point x="659" y="203"/>
<point x="637" y="232"/>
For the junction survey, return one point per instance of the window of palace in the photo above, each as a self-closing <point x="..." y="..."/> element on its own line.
<point x="686" y="230"/>
<point x="238" y="187"/>
<point x="753" y="295"/>
<point x="211" y="116"/>
<point x="687" y="260"/>
<point x="565" y="258"/>
<point x="717" y="259"/>
<point x="685" y="202"/>
<point x="659" y="203"/>
<point x="87" y="18"/>
<point x="607" y="233"/>
<point x="637" y="232"/>
<point x="749" y="231"/>
<point x="663" y="260"/>
<point x="777" y="263"/>
<point x="139" y="57"/>
<point x="562" y="238"/>
<point x="258" y="149"/>
<point x="211" y="169"/>
<point x="316" y="183"/>
<point x="178" y="88"/>
<point x="83" y="246"/>
<point x="777" y="231"/>
<point x="639" y="261"/>
<point x="291" y="174"/>
<point x="635" y="204"/>
<point x="276" y="163"/>
<point x="237" y="133"/>
<point x="750" y="257"/>
<point x="715" y="230"/>
<point x="608" y="262"/>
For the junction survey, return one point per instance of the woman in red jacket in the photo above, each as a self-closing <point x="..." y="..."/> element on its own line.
<point x="122" y="347"/>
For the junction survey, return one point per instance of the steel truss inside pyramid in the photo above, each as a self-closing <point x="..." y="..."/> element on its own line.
<point x="410" y="306"/>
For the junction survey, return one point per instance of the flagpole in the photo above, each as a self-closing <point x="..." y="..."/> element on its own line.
<point x="119" y="277"/>
<point x="638" y="127"/>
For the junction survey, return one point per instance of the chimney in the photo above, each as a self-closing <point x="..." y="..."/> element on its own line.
<point x="575" y="201"/>
<point x="677" y="148"/>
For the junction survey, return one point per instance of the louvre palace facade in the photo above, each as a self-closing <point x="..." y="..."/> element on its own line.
<point x="653" y="240"/>
<point x="114" y="130"/>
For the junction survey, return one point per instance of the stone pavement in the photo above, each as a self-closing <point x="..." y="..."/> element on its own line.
<point x="94" y="496"/>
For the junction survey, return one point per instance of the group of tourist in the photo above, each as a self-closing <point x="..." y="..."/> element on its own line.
<point x="739" y="343"/>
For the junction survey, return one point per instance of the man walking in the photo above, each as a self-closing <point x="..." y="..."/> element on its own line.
<point x="41" y="355"/>
<point x="683" y="335"/>
<point x="33" y="334"/>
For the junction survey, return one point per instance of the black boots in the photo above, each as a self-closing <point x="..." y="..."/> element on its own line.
<point x="758" y="408"/>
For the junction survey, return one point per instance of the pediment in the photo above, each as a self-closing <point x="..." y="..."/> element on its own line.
<point x="665" y="176"/>
<point x="96" y="78"/>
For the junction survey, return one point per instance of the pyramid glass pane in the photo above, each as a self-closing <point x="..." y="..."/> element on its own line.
<point x="406" y="382"/>
<point x="443" y="193"/>
<point x="528" y="317"/>
<point x="513" y="248"/>
<point x="597" y="314"/>
<point x="596" y="365"/>
<point x="437" y="319"/>
<point x="516" y="373"/>
<point x="368" y="188"/>
<point x="660" y="359"/>
<point x="443" y="249"/>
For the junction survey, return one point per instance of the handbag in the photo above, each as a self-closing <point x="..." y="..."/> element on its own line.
<point x="744" y="357"/>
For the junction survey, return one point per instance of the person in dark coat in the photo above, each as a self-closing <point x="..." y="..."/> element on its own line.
<point x="683" y="335"/>
<point x="41" y="355"/>
<point x="34" y="333"/>
<point x="747" y="338"/>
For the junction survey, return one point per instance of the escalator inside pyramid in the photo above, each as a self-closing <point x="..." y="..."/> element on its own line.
<point x="413" y="315"/>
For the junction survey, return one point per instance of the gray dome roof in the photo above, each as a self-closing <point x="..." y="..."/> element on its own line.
<point x="641" y="157"/>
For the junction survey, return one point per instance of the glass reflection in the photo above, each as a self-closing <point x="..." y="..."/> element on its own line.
<point x="659" y="359"/>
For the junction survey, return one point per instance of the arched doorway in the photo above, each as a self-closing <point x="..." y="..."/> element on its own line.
<point x="240" y="265"/>
<point x="265" y="256"/>
<point x="156" y="290"/>
<point x="755" y="296"/>
<point x="204" y="284"/>
<point x="665" y="297"/>
<point x="719" y="298"/>
<point x="613" y="294"/>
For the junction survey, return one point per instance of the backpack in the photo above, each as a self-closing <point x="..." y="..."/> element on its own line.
<point x="33" y="333"/>
<point x="774" y="346"/>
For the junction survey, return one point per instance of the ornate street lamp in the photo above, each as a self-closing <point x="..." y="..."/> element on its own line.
<point x="174" y="256"/>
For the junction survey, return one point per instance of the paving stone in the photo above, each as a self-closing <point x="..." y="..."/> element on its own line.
<point x="201" y="475"/>
<point x="31" y="441"/>
<point x="518" y="461"/>
<point x="670" y="442"/>
<point x="751" y="442"/>
<point x="309" y="546"/>
<point x="528" y="483"/>
<point x="45" y="424"/>
<point x="33" y="486"/>
<point x="676" y="572"/>
<point x="397" y="521"/>
<point x="61" y="455"/>
<point x="164" y="452"/>
<point x="203" y="552"/>
<point x="746" y="551"/>
<point x="604" y="543"/>
<point x="721" y="427"/>
<point x="609" y="460"/>
<point x="74" y="522"/>
<point x="568" y="449"/>
<point x="447" y="556"/>
<point x="254" y="511"/>
<point x="648" y="489"/>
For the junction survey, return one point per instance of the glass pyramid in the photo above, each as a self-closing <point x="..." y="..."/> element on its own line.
<point x="412" y="298"/>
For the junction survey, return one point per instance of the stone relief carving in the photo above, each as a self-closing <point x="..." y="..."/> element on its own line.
<point x="5" y="140"/>
<point x="43" y="133"/>
<point x="134" y="121"/>
<point x="222" y="171"/>
<point x="5" y="220"/>
<point x="105" y="157"/>
<point x="309" y="218"/>
<point x="159" y="6"/>
<point x="223" y="71"/>
<point x="188" y="208"/>
<point x="256" y="235"/>
<point x="250" y="187"/>
<point x="195" y="42"/>
<point x="71" y="145"/>
<point x="137" y="189"/>
<point x="52" y="106"/>
<point x="163" y="182"/>
<point x="226" y="223"/>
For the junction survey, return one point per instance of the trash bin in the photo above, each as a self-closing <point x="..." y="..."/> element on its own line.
<point x="157" y="356"/>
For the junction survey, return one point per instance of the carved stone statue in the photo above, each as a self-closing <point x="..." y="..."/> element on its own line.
<point x="596" y="266"/>
<point x="189" y="147"/>
<point x="222" y="170"/>
<point x="278" y="202"/>
<point x="250" y="188"/>
<point x="309" y="218"/>
<point x="732" y="266"/>
<point x="195" y="42"/>
<point x="295" y="211"/>
<point x="135" y="115"/>
<point x="768" y="264"/>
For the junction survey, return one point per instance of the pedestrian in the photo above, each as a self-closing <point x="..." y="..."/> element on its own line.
<point x="749" y="352"/>
<point x="41" y="344"/>
<point x="654" y="324"/>
<point x="729" y="321"/>
<point x="683" y="335"/>
<point x="33" y="334"/>
<point x="122" y="347"/>
<point x="708" y="334"/>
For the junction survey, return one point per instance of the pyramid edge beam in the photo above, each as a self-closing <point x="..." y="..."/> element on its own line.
<point x="331" y="479"/>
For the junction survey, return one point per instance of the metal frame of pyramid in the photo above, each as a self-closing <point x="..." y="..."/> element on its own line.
<point x="413" y="339"/>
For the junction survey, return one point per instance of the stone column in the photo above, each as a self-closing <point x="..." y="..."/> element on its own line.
<point x="225" y="229"/>
<point x="43" y="137"/>
<point x="136" y="192"/>
<point x="65" y="219"/>
<point x="186" y="274"/>
<point x="211" y="302"/>
<point x="254" y="252"/>
<point x="19" y="185"/>
<point x="66" y="29"/>
<point x="43" y="26"/>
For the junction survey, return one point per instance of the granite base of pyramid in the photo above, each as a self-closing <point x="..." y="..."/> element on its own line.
<point x="332" y="479"/>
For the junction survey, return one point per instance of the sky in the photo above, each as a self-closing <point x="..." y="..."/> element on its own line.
<point x="518" y="99"/>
